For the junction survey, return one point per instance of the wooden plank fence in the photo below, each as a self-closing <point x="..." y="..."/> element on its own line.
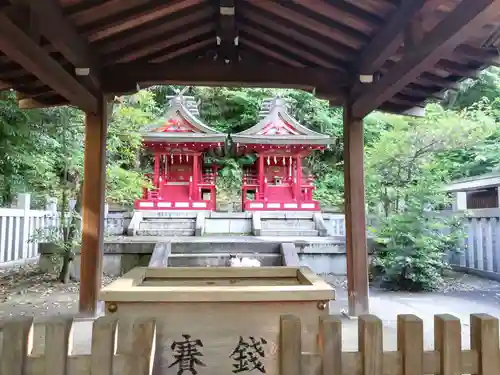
<point x="137" y="357"/>
<point x="480" y="253"/>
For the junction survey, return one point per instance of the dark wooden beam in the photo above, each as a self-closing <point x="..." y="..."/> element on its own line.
<point x="337" y="32"/>
<point x="143" y="49"/>
<point x="94" y="180"/>
<point x="271" y="53"/>
<point x="161" y="57"/>
<point x="19" y="47"/>
<point x="290" y="47"/>
<point x="488" y="56"/>
<point x="355" y="216"/>
<point x="125" y="77"/>
<point x="53" y="24"/>
<point x="227" y="32"/>
<point x="152" y="30"/>
<point x="130" y="20"/>
<point x="389" y="38"/>
<point x="333" y="49"/>
<point x="461" y="23"/>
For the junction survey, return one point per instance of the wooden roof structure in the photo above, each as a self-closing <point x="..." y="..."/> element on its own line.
<point x="386" y="54"/>
<point x="277" y="127"/>
<point x="181" y="124"/>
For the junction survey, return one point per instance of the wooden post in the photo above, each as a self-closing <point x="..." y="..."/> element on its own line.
<point x="195" y="176"/>
<point x="156" y="170"/>
<point x="93" y="209"/>
<point x="261" y="176"/>
<point x="298" y="186"/>
<point x="354" y="209"/>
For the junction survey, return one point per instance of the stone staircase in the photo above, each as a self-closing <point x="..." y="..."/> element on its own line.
<point x="167" y="226"/>
<point x="289" y="226"/>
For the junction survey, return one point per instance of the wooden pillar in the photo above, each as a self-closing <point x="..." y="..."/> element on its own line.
<point x="261" y="176"/>
<point x="156" y="170"/>
<point x="195" y="176"/>
<point x="354" y="208"/>
<point x="298" y="184"/>
<point x="94" y="179"/>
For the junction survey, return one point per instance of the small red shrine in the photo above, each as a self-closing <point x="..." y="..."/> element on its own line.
<point x="180" y="179"/>
<point x="277" y="180"/>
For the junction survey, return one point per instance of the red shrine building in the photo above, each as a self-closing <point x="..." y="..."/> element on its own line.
<point x="277" y="180"/>
<point x="180" y="179"/>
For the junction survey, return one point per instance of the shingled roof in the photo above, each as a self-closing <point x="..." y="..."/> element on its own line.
<point x="181" y="123"/>
<point x="277" y="126"/>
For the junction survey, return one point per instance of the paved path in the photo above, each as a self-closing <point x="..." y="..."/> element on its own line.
<point x="387" y="305"/>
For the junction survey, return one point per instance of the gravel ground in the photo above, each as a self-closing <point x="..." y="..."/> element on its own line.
<point x="25" y="290"/>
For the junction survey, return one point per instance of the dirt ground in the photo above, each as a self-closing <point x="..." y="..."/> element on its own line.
<point x="24" y="290"/>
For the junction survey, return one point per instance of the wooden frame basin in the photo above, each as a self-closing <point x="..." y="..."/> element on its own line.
<point x="223" y="312"/>
<point x="218" y="284"/>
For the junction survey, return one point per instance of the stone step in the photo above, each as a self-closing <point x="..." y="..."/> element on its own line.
<point x="219" y="259"/>
<point x="167" y="224"/>
<point x="288" y="224"/>
<point x="165" y="232"/>
<point x="290" y="232"/>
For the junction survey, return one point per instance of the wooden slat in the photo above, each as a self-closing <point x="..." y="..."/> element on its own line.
<point x="370" y="344"/>
<point x="411" y="344"/>
<point x="103" y="346"/>
<point x="57" y="345"/>
<point x="464" y="21"/>
<point x="485" y="341"/>
<point x="330" y="338"/>
<point x="290" y="345"/>
<point x="21" y="48"/>
<point x="141" y="357"/>
<point x="448" y="342"/>
<point x="16" y="346"/>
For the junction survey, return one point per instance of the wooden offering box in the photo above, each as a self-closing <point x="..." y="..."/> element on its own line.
<point x="219" y="320"/>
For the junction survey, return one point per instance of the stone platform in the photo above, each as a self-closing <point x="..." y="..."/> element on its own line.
<point x="122" y="253"/>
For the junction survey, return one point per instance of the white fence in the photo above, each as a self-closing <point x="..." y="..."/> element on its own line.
<point x="18" y="225"/>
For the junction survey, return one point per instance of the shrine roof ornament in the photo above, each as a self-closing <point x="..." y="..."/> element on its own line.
<point x="278" y="127"/>
<point x="181" y="123"/>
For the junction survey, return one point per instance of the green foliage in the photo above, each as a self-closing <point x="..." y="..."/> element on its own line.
<point x="413" y="242"/>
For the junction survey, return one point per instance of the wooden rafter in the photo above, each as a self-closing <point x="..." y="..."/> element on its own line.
<point x="142" y="50"/>
<point x="227" y="32"/>
<point x="152" y="30"/>
<point x="466" y="19"/>
<point x="341" y="35"/>
<point x="19" y="47"/>
<point x="125" y="77"/>
<point x="52" y="23"/>
<point x="124" y="23"/>
<point x="387" y="40"/>
<point x="290" y="47"/>
<point x="269" y="52"/>
<point x="333" y="49"/>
